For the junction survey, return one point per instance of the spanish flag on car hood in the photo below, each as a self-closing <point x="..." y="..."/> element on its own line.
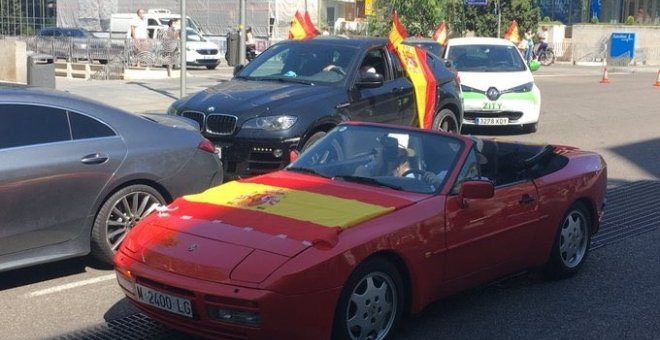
<point x="291" y="208"/>
<point x="302" y="27"/>
<point x="413" y="60"/>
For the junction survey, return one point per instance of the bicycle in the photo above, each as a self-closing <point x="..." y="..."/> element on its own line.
<point x="546" y="57"/>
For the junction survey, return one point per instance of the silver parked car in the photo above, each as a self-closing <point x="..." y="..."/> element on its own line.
<point x="76" y="175"/>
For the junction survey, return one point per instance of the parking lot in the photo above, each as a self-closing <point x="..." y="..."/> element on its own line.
<point x="613" y="297"/>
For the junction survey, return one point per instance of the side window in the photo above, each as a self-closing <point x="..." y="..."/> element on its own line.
<point x="376" y="59"/>
<point x="152" y="22"/>
<point x="22" y="125"/>
<point x="470" y="170"/>
<point x="83" y="127"/>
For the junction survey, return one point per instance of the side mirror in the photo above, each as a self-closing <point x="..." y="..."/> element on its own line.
<point x="238" y="68"/>
<point x="476" y="189"/>
<point x="448" y="63"/>
<point x="534" y="65"/>
<point x="370" y="80"/>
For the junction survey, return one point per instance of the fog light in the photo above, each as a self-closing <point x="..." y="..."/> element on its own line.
<point x="278" y="153"/>
<point x="239" y="317"/>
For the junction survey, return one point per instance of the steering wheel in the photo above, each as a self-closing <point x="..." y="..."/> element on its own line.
<point x="337" y="69"/>
<point x="417" y="172"/>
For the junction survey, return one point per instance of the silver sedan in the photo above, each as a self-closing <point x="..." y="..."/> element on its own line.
<point x="76" y="175"/>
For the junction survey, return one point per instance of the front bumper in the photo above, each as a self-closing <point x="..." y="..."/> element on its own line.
<point x="281" y="316"/>
<point x="518" y="108"/>
<point x="251" y="157"/>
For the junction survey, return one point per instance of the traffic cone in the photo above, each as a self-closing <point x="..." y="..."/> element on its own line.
<point x="657" y="80"/>
<point x="606" y="77"/>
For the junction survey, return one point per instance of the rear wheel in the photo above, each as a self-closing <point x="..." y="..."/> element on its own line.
<point x="211" y="67"/>
<point x="446" y="121"/>
<point x="371" y="303"/>
<point x="118" y="215"/>
<point x="571" y="245"/>
<point x="548" y="57"/>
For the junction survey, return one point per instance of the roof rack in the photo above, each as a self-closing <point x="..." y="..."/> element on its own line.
<point x="159" y="11"/>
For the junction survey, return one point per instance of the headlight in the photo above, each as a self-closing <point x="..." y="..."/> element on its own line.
<point x="271" y="123"/>
<point x="527" y="87"/>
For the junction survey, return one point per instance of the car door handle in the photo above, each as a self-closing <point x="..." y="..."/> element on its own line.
<point x="526" y="199"/>
<point x="95" y="158"/>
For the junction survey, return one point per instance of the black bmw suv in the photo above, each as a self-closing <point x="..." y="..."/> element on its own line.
<point x="295" y="91"/>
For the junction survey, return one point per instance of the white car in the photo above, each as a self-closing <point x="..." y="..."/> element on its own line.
<point x="199" y="50"/>
<point x="498" y="86"/>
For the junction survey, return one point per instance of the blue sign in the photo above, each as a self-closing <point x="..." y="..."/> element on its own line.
<point x="622" y="45"/>
<point x="476" y="2"/>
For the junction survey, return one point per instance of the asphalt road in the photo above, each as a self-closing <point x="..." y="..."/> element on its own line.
<point x="615" y="296"/>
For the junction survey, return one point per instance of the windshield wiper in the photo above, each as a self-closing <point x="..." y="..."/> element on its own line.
<point x="286" y="80"/>
<point x="304" y="170"/>
<point x="368" y="180"/>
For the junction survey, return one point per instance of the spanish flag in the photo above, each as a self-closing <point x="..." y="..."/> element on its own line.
<point x="440" y="34"/>
<point x="302" y="27"/>
<point x="415" y="65"/>
<point x="512" y="34"/>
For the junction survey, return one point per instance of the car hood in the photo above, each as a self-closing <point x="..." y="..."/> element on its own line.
<point x="257" y="97"/>
<point x="245" y="230"/>
<point x="200" y="45"/>
<point x="500" y="80"/>
<point x="173" y="121"/>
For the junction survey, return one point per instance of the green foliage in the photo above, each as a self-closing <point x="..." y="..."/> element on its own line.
<point x="546" y="19"/>
<point x="594" y="20"/>
<point x="417" y="16"/>
<point x="630" y="20"/>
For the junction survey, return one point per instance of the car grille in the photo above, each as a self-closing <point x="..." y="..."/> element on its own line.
<point x="220" y="124"/>
<point x="196" y="116"/>
<point x="207" y="51"/>
<point x="512" y="115"/>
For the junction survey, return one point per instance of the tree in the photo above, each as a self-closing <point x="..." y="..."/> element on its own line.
<point x="418" y="16"/>
<point x="424" y="16"/>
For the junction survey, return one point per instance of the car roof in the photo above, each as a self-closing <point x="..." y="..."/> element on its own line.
<point x="419" y="40"/>
<point x="479" y="41"/>
<point x="357" y="41"/>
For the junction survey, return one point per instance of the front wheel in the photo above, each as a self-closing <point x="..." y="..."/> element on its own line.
<point x="119" y="214"/>
<point x="371" y="303"/>
<point x="446" y="121"/>
<point x="571" y="245"/>
<point x="211" y="67"/>
<point x="548" y="57"/>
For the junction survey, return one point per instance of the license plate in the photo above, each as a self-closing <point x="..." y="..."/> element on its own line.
<point x="491" y="121"/>
<point x="218" y="150"/>
<point x="164" y="301"/>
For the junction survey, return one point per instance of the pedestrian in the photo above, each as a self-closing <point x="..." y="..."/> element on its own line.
<point x="139" y="34"/>
<point x="170" y="40"/>
<point x="528" y="40"/>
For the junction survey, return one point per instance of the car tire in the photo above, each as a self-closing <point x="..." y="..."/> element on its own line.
<point x="446" y="120"/>
<point x="371" y="304"/>
<point x="313" y="139"/>
<point x="571" y="245"/>
<point x="135" y="202"/>
<point x="211" y="67"/>
<point x="103" y="61"/>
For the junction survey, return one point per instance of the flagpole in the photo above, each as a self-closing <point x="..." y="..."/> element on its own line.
<point x="182" y="52"/>
<point x="241" y="35"/>
<point x="499" y="18"/>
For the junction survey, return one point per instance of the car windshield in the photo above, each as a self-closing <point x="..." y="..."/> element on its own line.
<point x="400" y="159"/>
<point x="76" y="33"/>
<point x="486" y="58"/>
<point x="194" y="35"/>
<point x="301" y="62"/>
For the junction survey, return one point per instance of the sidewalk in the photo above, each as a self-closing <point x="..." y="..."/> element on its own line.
<point x="141" y="96"/>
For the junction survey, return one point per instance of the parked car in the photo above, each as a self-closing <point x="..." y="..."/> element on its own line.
<point x="498" y="86"/>
<point x="296" y="91"/>
<point x="199" y="50"/>
<point x="326" y="249"/>
<point x="73" y="43"/>
<point x="76" y="175"/>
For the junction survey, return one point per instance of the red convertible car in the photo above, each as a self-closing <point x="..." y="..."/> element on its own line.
<point x="371" y="223"/>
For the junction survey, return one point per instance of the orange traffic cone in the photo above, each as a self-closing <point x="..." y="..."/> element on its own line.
<point x="606" y="77"/>
<point x="657" y="81"/>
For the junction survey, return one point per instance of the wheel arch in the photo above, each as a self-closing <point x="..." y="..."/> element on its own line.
<point x="399" y="263"/>
<point x="591" y="211"/>
<point x="322" y="127"/>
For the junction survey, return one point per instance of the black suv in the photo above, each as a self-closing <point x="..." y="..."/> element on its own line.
<point x="296" y="91"/>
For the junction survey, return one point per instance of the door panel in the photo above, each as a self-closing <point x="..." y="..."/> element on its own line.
<point x="488" y="233"/>
<point x="47" y="191"/>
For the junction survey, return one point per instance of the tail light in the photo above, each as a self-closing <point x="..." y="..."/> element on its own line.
<point x="206" y="145"/>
